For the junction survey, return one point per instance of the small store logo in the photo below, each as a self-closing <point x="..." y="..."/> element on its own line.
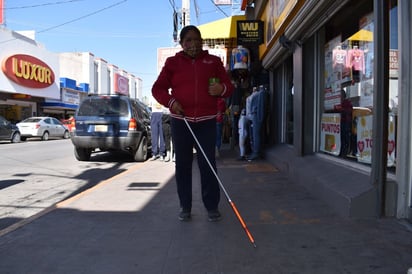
<point x="28" y="71"/>
<point x="121" y="84"/>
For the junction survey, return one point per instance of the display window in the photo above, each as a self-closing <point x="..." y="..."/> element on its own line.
<point x="347" y="114"/>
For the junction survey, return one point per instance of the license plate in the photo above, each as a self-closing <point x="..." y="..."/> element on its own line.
<point x="100" y="128"/>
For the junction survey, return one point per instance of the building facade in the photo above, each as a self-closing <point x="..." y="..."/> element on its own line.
<point x="339" y="99"/>
<point x="35" y="81"/>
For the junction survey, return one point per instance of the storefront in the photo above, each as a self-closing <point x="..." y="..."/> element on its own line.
<point x="335" y="101"/>
<point x="35" y="82"/>
<point x="29" y="75"/>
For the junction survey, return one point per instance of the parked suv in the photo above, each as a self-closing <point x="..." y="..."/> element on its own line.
<point x="111" y="123"/>
<point x="9" y="131"/>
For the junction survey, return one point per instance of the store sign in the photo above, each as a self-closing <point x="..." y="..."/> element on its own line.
<point x="249" y="32"/>
<point x="70" y="97"/>
<point x="393" y="63"/>
<point x="365" y="140"/>
<point x="28" y="71"/>
<point x="222" y="2"/>
<point x="1" y="12"/>
<point x="163" y="54"/>
<point x="121" y="84"/>
<point x="330" y="133"/>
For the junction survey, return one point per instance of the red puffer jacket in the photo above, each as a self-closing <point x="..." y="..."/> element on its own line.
<point x="188" y="81"/>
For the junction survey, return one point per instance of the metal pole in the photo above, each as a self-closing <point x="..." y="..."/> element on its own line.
<point x="380" y="101"/>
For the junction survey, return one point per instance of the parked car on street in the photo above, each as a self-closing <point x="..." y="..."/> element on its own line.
<point x="43" y="127"/>
<point x="111" y="123"/>
<point x="9" y="131"/>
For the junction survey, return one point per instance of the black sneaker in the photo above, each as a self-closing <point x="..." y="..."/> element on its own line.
<point x="214" y="216"/>
<point x="184" y="215"/>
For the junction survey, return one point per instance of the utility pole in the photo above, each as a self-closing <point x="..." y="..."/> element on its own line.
<point x="185" y="19"/>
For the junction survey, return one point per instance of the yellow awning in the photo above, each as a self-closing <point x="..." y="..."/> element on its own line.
<point x="362" y="35"/>
<point x="221" y="29"/>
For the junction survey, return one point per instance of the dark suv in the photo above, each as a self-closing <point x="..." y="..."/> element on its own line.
<point x="9" y="131"/>
<point x="111" y="123"/>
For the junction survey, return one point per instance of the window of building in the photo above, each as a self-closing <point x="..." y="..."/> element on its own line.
<point x="96" y="78"/>
<point x="109" y="81"/>
<point x="346" y="122"/>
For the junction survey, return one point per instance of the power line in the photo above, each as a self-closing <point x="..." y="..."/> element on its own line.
<point x="173" y="4"/>
<point x="84" y="16"/>
<point x="219" y="8"/>
<point x="42" y="5"/>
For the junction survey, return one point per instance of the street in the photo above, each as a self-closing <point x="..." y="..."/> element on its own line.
<point x="35" y="175"/>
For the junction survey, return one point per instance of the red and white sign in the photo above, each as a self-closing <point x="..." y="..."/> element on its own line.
<point x="121" y="84"/>
<point x="365" y="140"/>
<point x="28" y="71"/>
<point x="163" y="54"/>
<point x="1" y="12"/>
<point x="330" y="133"/>
<point x="222" y="2"/>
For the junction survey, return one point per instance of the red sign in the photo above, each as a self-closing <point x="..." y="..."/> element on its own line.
<point x="121" y="84"/>
<point x="28" y="71"/>
<point x="1" y="12"/>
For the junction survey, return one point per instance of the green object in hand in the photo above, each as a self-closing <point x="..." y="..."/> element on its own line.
<point x="213" y="80"/>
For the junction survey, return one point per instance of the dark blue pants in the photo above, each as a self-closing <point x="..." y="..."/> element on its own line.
<point x="256" y="134"/>
<point x="219" y="133"/>
<point x="156" y="127"/>
<point x="183" y="141"/>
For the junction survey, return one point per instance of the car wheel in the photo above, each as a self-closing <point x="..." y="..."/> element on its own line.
<point x="141" y="152"/>
<point x="82" y="154"/>
<point x="16" y="138"/>
<point x="45" y="136"/>
<point x="66" y="135"/>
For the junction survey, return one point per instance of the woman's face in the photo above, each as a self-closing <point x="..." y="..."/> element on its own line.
<point x="192" y="43"/>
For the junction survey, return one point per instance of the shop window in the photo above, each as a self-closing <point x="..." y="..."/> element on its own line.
<point x="346" y="122"/>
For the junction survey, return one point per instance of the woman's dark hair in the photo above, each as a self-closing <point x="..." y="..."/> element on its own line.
<point x="186" y="29"/>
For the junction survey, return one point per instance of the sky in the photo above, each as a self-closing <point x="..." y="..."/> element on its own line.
<point x="125" y="33"/>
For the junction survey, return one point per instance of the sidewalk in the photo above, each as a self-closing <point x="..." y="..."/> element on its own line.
<point x="129" y="224"/>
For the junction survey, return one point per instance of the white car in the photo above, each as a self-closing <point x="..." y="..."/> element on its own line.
<point x="43" y="127"/>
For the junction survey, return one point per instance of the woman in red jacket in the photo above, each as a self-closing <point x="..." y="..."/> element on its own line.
<point x="183" y="87"/>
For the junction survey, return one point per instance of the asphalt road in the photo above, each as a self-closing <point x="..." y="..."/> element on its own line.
<point x="35" y="175"/>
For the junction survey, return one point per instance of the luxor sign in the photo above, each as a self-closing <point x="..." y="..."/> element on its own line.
<point x="28" y="71"/>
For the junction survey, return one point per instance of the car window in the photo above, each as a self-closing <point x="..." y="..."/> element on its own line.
<point x="56" y="122"/>
<point x="47" y="121"/>
<point x="3" y="121"/>
<point x="103" y="106"/>
<point x="31" y="120"/>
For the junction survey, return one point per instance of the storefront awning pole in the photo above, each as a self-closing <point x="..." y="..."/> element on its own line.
<point x="380" y="101"/>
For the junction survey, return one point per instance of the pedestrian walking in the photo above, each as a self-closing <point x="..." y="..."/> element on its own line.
<point x="156" y="127"/>
<point x="167" y="133"/>
<point x="183" y="86"/>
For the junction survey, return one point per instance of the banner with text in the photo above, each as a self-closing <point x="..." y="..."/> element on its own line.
<point x="365" y="141"/>
<point x="330" y="133"/>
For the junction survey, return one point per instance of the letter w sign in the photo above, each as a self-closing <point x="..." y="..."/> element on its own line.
<point x="249" y="32"/>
